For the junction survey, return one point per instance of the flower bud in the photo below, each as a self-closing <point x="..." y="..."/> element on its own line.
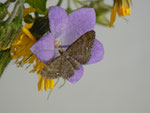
<point x="4" y="60"/>
<point x="3" y="10"/>
<point x="8" y="33"/>
<point x="10" y="28"/>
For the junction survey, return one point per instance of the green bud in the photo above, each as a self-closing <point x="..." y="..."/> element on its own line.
<point x="102" y="20"/>
<point x="4" y="60"/>
<point x="10" y="28"/>
<point x="8" y="32"/>
<point x="3" y="10"/>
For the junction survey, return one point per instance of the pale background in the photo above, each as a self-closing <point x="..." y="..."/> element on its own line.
<point x="120" y="83"/>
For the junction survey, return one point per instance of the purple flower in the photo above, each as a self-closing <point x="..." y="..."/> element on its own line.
<point x="67" y="29"/>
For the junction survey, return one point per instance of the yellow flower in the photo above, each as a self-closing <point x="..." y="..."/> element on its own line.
<point x="122" y="7"/>
<point x="20" y="51"/>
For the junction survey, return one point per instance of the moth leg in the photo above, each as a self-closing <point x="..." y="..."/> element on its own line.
<point x="61" y="51"/>
<point x="63" y="83"/>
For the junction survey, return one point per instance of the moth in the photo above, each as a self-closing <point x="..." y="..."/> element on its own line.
<point x="78" y="53"/>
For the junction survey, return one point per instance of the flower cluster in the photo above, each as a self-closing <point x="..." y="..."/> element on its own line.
<point x="20" y="51"/>
<point x="65" y="30"/>
<point x="42" y="37"/>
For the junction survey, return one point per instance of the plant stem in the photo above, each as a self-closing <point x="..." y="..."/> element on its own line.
<point x="59" y="2"/>
<point x="68" y="4"/>
<point x="16" y="10"/>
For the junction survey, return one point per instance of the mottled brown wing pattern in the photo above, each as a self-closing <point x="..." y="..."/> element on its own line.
<point x="67" y="69"/>
<point x="58" y="67"/>
<point x="77" y="53"/>
<point x="52" y="69"/>
<point x="81" y="48"/>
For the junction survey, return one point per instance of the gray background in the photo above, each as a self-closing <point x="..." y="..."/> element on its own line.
<point x="120" y="83"/>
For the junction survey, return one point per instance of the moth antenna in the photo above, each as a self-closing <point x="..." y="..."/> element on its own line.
<point x="50" y="92"/>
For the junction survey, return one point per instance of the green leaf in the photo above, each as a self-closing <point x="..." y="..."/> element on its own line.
<point x="4" y="60"/>
<point x="102" y="20"/>
<point x="42" y="12"/>
<point x="101" y="9"/>
<point x="8" y="32"/>
<point x="38" y="4"/>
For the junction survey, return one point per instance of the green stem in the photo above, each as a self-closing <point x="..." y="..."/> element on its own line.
<point x="75" y="3"/>
<point x="22" y="8"/>
<point x="7" y="3"/>
<point x="14" y="13"/>
<point x="68" y="4"/>
<point x="59" y="2"/>
<point x="17" y="10"/>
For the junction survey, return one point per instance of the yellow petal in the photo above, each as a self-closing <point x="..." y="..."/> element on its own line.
<point x="112" y="17"/>
<point x="28" y="33"/>
<point x="28" y="26"/>
<point x="51" y="83"/>
<point x="5" y="48"/>
<point x="40" y="84"/>
<point x="28" y="10"/>
<point x="121" y="12"/>
<point x="46" y="84"/>
<point x="128" y="11"/>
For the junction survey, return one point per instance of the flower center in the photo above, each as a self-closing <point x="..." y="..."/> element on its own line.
<point x="58" y="45"/>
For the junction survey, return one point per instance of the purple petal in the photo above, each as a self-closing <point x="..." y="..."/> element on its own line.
<point x="77" y="75"/>
<point x="57" y="19"/>
<point x="97" y="52"/>
<point x="80" y="22"/>
<point x="43" y="49"/>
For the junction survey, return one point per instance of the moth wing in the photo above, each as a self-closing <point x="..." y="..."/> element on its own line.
<point x="67" y="69"/>
<point x="52" y="69"/>
<point x="58" y="67"/>
<point x="81" y="48"/>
